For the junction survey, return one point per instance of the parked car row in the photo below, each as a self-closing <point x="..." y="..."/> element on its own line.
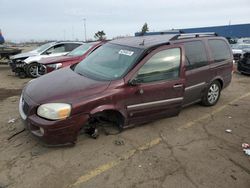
<point x="241" y="53"/>
<point x="239" y="49"/>
<point x="26" y="64"/>
<point x="126" y="82"/>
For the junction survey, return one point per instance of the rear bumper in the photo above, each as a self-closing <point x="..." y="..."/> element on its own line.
<point x="61" y="132"/>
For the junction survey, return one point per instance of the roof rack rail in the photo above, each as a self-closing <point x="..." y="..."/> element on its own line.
<point x="193" y="35"/>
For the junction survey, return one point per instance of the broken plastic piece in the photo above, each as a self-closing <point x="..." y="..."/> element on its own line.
<point x="247" y="151"/>
<point x="245" y="146"/>
<point x="228" y="130"/>
<point x="119" y="142"/>
<point x="12" y="120"/>
<point x="95" y="134"/>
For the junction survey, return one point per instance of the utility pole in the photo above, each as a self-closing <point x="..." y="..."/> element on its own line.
<point x="84" y="22"/>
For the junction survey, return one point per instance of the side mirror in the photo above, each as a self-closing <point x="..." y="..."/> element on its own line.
<point x="134" y="82"/>
<point x="48" y="53"/>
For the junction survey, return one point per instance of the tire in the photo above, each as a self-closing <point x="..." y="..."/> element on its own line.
<point x="31" y="70"/>
<point x="212" y="94"/>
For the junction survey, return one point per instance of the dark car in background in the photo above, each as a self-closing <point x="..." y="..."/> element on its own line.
<point x="126" y="82"/>
<point x="244" y="64"/>
<point x="53" y="63"/>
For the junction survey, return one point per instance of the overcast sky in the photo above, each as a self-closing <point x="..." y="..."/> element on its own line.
<point x="63" y="19"/>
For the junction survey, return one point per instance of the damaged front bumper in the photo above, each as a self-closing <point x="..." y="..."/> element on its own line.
<point x="60" y="132"/>
<point x="17" y="66"/>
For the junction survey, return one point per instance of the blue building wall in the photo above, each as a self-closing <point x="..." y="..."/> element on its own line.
<point x="232" y="31"/>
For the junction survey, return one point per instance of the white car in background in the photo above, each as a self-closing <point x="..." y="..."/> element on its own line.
<point x="239" y="49"/>
<point x="26" y="64"/>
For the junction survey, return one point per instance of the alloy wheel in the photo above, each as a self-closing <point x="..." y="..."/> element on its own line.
<point x="213" y="93"/>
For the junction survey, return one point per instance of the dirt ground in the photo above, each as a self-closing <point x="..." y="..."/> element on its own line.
<point x="191" y="150"/>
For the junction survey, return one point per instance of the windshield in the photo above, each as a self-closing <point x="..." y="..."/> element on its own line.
<point x="81" y="49"/>
<point x="43" y="47"/>
<point x="109" y="62"/>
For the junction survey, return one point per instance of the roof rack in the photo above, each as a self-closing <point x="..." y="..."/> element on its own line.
<point x="193" y="35"/>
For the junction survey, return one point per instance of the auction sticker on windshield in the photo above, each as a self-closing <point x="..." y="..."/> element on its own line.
<point x="126" y="52"/>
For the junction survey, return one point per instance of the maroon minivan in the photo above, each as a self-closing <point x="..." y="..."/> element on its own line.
<point x="127" y="81"/>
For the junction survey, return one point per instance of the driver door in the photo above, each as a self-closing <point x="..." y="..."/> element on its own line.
<point x="158" y="84"/>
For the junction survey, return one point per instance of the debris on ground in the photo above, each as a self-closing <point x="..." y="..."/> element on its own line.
<point x="228" y="130"/>
<point x="92" y="132"/>
<point x="12" y="120"/>
<point x="233" y="104"/>
<point x="15" y="134"/>
<point x="229" y="117"/>
<point x="246" y="148"/>
<point x="119" y="142"/>
<point x="139" y="166"/>
<point x="233" y="177"/>
<point x="247" y="151"/>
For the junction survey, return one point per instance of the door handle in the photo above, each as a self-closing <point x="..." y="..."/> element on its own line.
<point x="141" y="91"/>
<point x="178" y="86"/>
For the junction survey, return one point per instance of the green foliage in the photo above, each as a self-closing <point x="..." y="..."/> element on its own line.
<point x="144" y="28"/>
<point x="100" y="35"/>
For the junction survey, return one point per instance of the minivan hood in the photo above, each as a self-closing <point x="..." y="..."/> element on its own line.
<point x="52" y="60"/>
<point x="63" y="85"/>
<point x="22" y="55"/>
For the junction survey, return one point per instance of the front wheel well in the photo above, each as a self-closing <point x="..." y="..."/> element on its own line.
<point x="110" y="115"/>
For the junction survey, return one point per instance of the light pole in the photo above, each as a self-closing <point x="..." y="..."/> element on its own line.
<point x="84" y="22"/>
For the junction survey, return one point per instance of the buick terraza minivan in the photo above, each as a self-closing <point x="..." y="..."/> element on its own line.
<point x="127" y="81"/>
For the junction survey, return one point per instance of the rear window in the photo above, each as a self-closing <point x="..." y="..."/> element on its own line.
<point x="219" y="49"/>
<point x="195" y="55"/>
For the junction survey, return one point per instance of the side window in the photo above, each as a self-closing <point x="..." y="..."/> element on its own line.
<point x="195" y="55"/>
<point x="71" y="46"/>
<point x="60" y="48"/>
<point x="219" y="49"/>
<point x="164" y="65"/>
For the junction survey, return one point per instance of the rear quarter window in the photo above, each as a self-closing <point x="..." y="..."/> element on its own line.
<point x="195" y="54"/>
<point x="219" y="49"/>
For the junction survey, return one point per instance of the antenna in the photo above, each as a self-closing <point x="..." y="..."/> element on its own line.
<point x="142" y="44"/>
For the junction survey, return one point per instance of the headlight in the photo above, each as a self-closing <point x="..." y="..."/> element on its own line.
<point x="54" y="111"/>
<point x="55" y="66"/>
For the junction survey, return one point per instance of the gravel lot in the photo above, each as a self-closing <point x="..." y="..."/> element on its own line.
<point x="191" y="150"/>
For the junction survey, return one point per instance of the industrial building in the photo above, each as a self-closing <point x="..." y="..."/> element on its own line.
<point x="228" y="31"/>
